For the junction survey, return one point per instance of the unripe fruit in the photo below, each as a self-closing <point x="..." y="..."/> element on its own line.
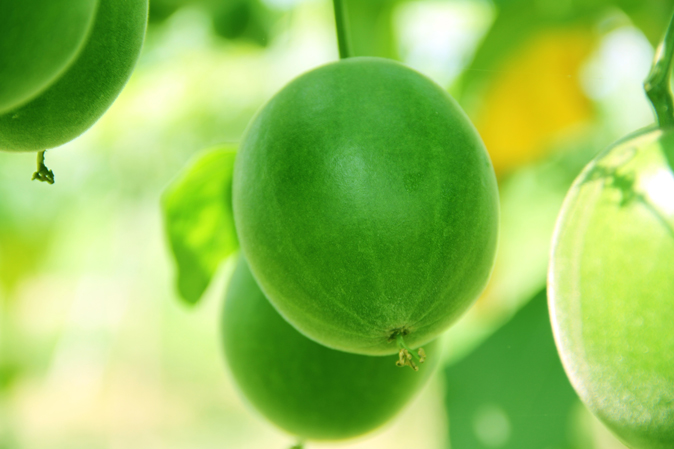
<point x="80" y="96"/>
<point x="38" y="41"/>
<point x="611" y="288"/>
<point x="305" y="388"/>
<point x="366" y="205"/>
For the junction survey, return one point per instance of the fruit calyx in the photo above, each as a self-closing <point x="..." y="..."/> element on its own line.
<point x="43" y="174"/>
<point x="406" y="357"/>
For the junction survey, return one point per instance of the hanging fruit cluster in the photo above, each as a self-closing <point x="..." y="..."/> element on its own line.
<point x="366" y="208"/>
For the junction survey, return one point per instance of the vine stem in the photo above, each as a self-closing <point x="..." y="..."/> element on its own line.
<point x="43" y="173"/>
<point x="657" y="84"/>
<point x="342" y="33"/>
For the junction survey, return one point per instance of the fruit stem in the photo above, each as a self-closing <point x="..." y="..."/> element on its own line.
<point x="342" y="34"/>
<point x="405" y="355"/>
<point x="43" y="174"/>
<point x="657" y="84"/>
<point x="298" y="445"/>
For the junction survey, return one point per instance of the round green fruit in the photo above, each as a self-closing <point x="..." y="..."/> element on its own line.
<point x="39" y="40"/>
<point x="366" y="205"/>
<point x="81" y="95"/>
<point x="611" y="288"/>
<point x="305" y="388"/>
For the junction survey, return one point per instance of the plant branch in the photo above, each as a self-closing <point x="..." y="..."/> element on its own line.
<point x="657" y="84"/>
<point x="342" y="29"/>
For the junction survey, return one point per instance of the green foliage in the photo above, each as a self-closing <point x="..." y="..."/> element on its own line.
<point x="517" y="21"/>
<point x="39" y="40"/>
<point x="512" y="392"/>
<point x="242" y="19"/>
<point x="198" y="218"/>
<point x="611" y="283"/>
<point x="650" y="16"/>
<point x="305" y="388"/>
<point x="232" y="19"/>
<point x="78" y="98"/>
<point x="160" y="10"/>
<point x="366" y="205"/>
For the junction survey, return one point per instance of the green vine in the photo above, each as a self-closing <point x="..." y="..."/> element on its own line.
<point x="657" y="84"/>
<point x="342" y="33"/>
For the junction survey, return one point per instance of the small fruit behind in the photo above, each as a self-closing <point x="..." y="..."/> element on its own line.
<point x="39" y="40"/>
<point x="366" y="205"/>
<point x="611" y="288"/>
<point x="80" y="96"/>
<point x="307" y="389"/>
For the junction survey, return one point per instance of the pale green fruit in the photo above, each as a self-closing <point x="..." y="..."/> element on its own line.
<point x="611" y="288"/>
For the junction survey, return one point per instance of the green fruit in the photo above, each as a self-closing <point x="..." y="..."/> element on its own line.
<point x="87" y="88"/>
<point x="39" y="39"/>
<point x="366" y="205"/>
<point x="307" y="389"/>
<point x="611" y="288"/>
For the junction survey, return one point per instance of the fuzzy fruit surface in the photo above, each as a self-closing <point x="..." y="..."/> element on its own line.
<point x="305" y="388"/>
<point x="39" y="39"/>
<point x="366" y="205"/>
<point x="611" y="288"/>
<point x="90" y="84"/>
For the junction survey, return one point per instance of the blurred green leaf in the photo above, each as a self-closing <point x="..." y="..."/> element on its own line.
<point x="512" y="392"/>
<point x="650" y="16"/>
<point x="160" y="10"/>
<point x="198" y="220"/>
<point x="9" y="372"/>
<point x="517" y="21"/>
<point x="233" y="20"/>
<point x="242" y="19"/>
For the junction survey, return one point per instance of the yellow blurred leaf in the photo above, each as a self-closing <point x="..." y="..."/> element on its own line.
<point x="534" y="96"/>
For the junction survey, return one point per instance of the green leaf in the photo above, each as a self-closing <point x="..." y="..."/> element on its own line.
<point x="512" y="392"/>
<point x="198" y="219"/>
<point x="650" y="16"/>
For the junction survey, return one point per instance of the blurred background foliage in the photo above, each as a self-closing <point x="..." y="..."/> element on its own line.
<point x="98" y="351"/>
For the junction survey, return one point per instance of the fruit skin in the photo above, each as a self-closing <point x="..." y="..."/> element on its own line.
<point x="39" y="40"/>
<point x="611" y="289"/>
<point x="303" y="387"/>
<point x="366" y="205"/>
<point x="86" y="90"/>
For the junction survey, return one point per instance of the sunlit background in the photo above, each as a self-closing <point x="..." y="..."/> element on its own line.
<point x="96" y="349"/>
